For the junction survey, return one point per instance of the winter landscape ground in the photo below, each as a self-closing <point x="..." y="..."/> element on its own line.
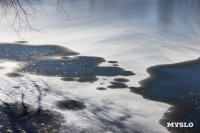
<point x="125" y="66"/>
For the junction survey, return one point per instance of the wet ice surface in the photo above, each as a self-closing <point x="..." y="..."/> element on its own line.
<point x="42" y="60"/>
<point x="50" y="62"/>
<point x="178" y="85"/>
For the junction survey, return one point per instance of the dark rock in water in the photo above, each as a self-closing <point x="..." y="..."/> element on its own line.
<point x="101" y="88"/>
<point x="178" y="85"/>
<point x="13" y="75"/>
<point x="112" y="62"/>
<point x="116" y="85"/>
<point x="20" y="118"/>
<point x="121" y="80"/>
<point x="70" y="105"/>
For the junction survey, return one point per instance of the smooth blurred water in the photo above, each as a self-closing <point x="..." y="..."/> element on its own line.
<point x="133" y="19"/>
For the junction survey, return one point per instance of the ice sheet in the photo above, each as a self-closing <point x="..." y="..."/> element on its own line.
<point x="137" y="34"/>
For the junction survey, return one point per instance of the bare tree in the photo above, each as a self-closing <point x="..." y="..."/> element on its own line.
<point x="23" y="10"/>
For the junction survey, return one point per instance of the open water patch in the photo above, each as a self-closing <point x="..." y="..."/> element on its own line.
<point x="82" y="68"/>
<point x="52" y="60"/>
<point x="178" y="85"/>
<point x="28" y="53"/>
<point x="117" y="85"/>
<point x="121" y="80"/>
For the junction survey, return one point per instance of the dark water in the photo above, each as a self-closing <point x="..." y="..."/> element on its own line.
<point x="121" y="80"/>
<point x="19" y="52"/>
<point x="179" y="85"/>
<point x="82" y="68"/>
<point x="115" y="85"/>
<point x="41" y="60"/>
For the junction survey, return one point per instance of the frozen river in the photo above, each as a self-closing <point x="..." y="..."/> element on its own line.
<point x="136" y="33"/>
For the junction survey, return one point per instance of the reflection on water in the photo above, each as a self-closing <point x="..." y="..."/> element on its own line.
<point x="169" y="17"/>
<point x="166" y="9"/>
